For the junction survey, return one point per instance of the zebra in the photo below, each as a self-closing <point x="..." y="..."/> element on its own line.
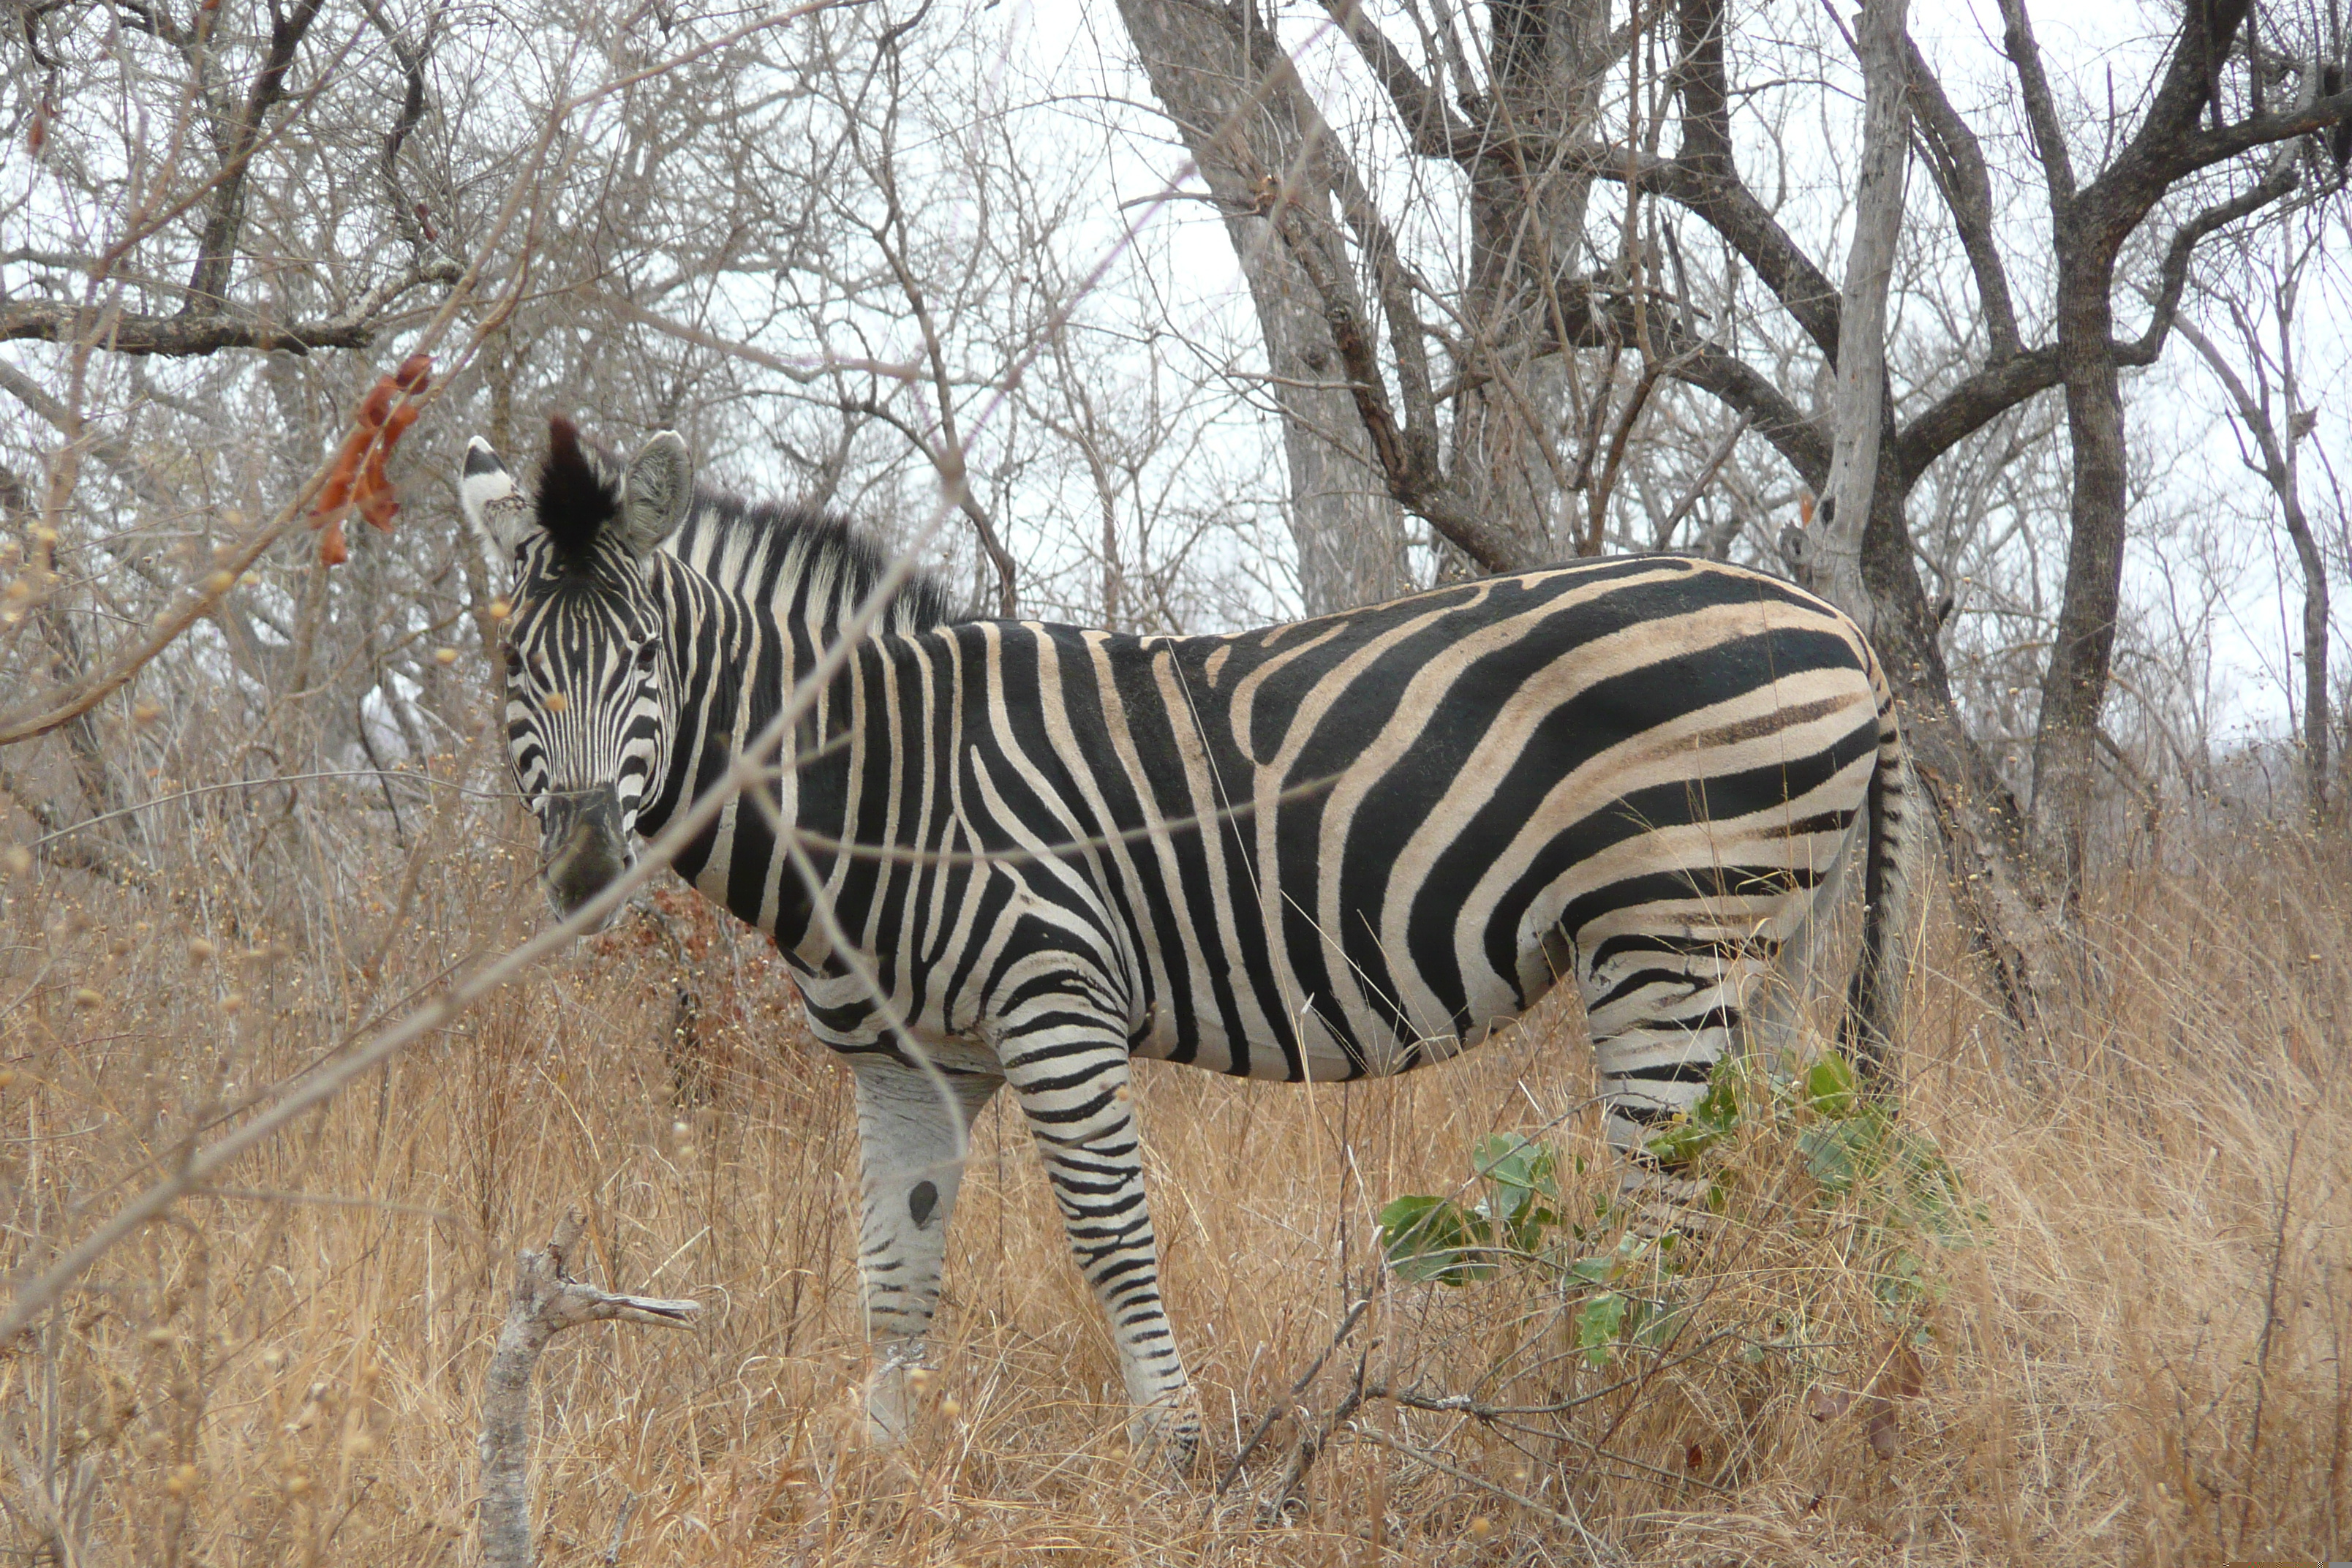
<point x="1016" y="853"/>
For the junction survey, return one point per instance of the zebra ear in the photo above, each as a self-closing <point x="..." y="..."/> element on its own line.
<point x="657" y="493"/>
<point x="487" y="492"/>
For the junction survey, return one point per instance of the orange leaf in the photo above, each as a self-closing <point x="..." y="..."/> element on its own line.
<point x="398" y="426"/>
<point x="332" y="551"/>
<point x="416" y="372"/>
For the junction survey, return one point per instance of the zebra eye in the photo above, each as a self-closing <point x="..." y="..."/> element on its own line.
<point x="514" y="662"/>
<point x="648" y="654"/>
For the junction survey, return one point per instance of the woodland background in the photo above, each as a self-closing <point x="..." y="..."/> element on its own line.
<point x="1168" y="315"/>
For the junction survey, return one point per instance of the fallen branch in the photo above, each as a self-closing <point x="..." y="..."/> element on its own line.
<point x="1566" y="1521"/>
<point x="1291" y="1496"/>
<point x="1339" y="1337"/>
<point x="546" y="1302"/>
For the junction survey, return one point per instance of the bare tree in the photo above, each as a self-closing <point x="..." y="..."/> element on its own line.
<point x="2267" y="386"/>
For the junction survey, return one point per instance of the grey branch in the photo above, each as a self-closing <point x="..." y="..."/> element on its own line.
<point x="547" y="1302"/>
<point x="190" y="335"/>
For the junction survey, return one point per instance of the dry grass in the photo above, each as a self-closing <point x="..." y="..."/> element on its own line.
<point x="2139" y="1361"/>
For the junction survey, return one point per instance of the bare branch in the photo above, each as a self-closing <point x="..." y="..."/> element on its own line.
<point x="2174" y="275"/>
<point x="2040" y="107"/>
<point x="1957" y="160"/>
<point x="216" y="252"/>
<point x="1430" y="124"/>
<point x="546" y="1302"/>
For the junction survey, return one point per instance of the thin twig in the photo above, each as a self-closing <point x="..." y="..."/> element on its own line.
<point x="620" y="1530"/>
<point x="332" y="1200"/>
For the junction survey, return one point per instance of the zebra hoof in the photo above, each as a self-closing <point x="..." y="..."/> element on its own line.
<point x="891" y="1400"/>
<point x="1167" y="1432"/>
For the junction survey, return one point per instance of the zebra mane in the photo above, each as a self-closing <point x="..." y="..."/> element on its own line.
<point x="805" y="562"/>
<point x="579" y="492"/>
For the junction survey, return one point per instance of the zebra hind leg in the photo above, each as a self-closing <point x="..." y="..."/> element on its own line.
<point x="1664" y="1011"/>
<point x="913" y="1127"/>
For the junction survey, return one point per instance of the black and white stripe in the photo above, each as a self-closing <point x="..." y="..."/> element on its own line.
<point x="1333" y="849"/>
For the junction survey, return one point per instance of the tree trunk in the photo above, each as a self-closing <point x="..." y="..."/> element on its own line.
<point x="1526" y="222"/>
<point x="2316" y="734"/>
<point x="2075" y="686"/>
<point x="1234" y="99"/>
<point x="2281" y="470"/>
<point x="1859" y="556"/>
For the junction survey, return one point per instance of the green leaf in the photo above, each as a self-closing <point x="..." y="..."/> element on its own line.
<point x="1718" y="1109"/>
<point x="1516" y="1162"/>
<point x="1429" y="1239"/>
<point x="1596" y="1270"/>
<point x="1828" y="1088"/>
<point x="1597" y="1323"/>
<point x="1525" y="1231"/>
<point x="1714" y="1117"/>
<point x="1828" y="1150"/>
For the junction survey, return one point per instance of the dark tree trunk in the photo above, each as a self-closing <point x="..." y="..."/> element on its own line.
<point x="2075" y="686"/>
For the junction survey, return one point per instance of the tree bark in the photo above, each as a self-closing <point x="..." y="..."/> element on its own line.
<point x="1858" y="422"/>
<point x="1234" y="99"/>
<point x="2074" y="684"/>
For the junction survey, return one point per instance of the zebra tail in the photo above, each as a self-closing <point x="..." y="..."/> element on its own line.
<point x="1875" y="999"/>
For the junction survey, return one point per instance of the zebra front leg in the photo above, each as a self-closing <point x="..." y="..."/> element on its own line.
<point x="1073" y="1088"/>
<point x="913" y="1127"/>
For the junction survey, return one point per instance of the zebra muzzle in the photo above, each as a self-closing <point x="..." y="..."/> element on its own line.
<point x="582" y="848"/>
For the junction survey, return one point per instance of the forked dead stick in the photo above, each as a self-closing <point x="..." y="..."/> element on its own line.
<point x="546" y="1302"/>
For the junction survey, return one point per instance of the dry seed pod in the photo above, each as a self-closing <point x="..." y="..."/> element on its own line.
<point x="376" y="406"/>
<point x="414" y="375"/>
<point x="376" y="498"/>
<point x="336" y="493"/>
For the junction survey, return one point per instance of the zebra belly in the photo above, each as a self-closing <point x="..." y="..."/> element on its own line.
<point x="1311" y="1050"/>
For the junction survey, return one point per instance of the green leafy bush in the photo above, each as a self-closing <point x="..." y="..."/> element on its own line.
<point x="1857" y="1154"/>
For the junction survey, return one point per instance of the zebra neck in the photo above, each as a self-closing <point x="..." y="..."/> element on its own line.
<point x="731" y="663"/>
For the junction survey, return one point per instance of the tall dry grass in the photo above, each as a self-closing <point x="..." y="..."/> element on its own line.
<point x="2139" y="1359"/>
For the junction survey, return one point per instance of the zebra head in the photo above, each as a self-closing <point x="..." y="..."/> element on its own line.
<point x="586" y="719"/>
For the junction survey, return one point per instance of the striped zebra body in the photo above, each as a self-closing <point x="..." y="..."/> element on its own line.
<point x="1333" y="849"/>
